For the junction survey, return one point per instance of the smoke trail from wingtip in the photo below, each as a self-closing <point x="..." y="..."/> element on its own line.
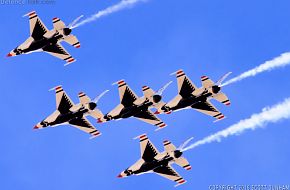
<point x="271" y="114"/>
<point x="280" y="61"/>
<point x="114" y="8"/>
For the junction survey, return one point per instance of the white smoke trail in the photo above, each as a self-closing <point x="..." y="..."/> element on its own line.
<point x="280" y="61"/>
<point x="114" y="8"/>
<point x="268" y="115"/>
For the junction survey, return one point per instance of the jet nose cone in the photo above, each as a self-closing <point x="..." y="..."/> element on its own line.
<point x="35" y="127"/>
<point x="157" y="112"/>
<point x="9" y="55"/>
<point x="119" y="176"/>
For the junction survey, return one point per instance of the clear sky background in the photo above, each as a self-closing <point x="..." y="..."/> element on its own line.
<point x="143" y="45"/>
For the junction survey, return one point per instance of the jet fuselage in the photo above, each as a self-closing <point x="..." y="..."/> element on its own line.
<point x="65" y="117"/>
<point x="148" y="166"/>
<point x="190" y="100"/>
<point x="132" y="110"/>
<point x="38" y="44"/>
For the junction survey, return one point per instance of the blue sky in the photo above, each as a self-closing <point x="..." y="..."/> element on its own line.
<point x="143" y="45"/>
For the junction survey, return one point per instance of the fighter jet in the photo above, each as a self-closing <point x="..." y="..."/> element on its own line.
<point x="189" y="96"/>
<point x="160" y="163"/>
<point x="74" y="114"/>
<point x="133" y="106"/>
<point x="42" y="39"/>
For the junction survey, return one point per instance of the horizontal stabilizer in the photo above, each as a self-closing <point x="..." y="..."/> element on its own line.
<point x="168" y="146"/>
<point x="148" y="92"/>
<point x="221" y="97"/>
<point x="97" y="114"/>
<point x="72" y="40"/>
<point x="84" y="99"/>
<point x="206" y="82"/>
<point x="183" y="163"/>
<point x="58" y="24"/>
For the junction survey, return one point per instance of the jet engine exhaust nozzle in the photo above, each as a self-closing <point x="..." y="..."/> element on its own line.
<point x="67" y="31"/>
<point x="177" y="153"/>
<point x="216" y="89"/>
<point x="157" y="98"/>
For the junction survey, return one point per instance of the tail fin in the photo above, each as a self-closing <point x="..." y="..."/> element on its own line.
<point x="206" y="82"/>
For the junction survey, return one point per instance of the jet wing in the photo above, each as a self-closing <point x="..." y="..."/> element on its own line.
<point x="169" y="173"/>
<point x="185" y="86"/>
<point x="37" y="28"/>
<point x="84" y="125"/>
<point x="148" y="150"/>
<point x="208" y="109"/>
<point x="148" y="117"/>
<point x="63" y="102"/>
<point x="58" y="51"/>
<point x="127" y="96"/>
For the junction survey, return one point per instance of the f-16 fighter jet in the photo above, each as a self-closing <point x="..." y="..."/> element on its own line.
<point x="133" y="106"/>
<point x="189" y="96"/>
<point x="74" y="114"/>
<point x="160" y="163"/>
<point x="42" y="39"/>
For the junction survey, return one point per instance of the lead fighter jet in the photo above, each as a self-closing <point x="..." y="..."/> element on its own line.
<point x="133" y="106"/>
<point x="189" y="96"/>
<point x="160" y="163"/>
<point x="74" y="114"/>
<point x="42" y="39"/>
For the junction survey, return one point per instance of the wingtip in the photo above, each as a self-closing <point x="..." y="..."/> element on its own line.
<point x="99" y="120"/>
<point x="55" y="88"/>
<point x="119" y="82"/>
<point x="29" y="14"/>
<point x="95" y="136"/>
<point x="219" y="119"/>
<point x="140" y="136"/>
<point x="165" y="141"/>
<point x="156" y="112"/>
<point x="179" y="71"/>
<point x="180" y="182"/>
<point x="188" y="168"/>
